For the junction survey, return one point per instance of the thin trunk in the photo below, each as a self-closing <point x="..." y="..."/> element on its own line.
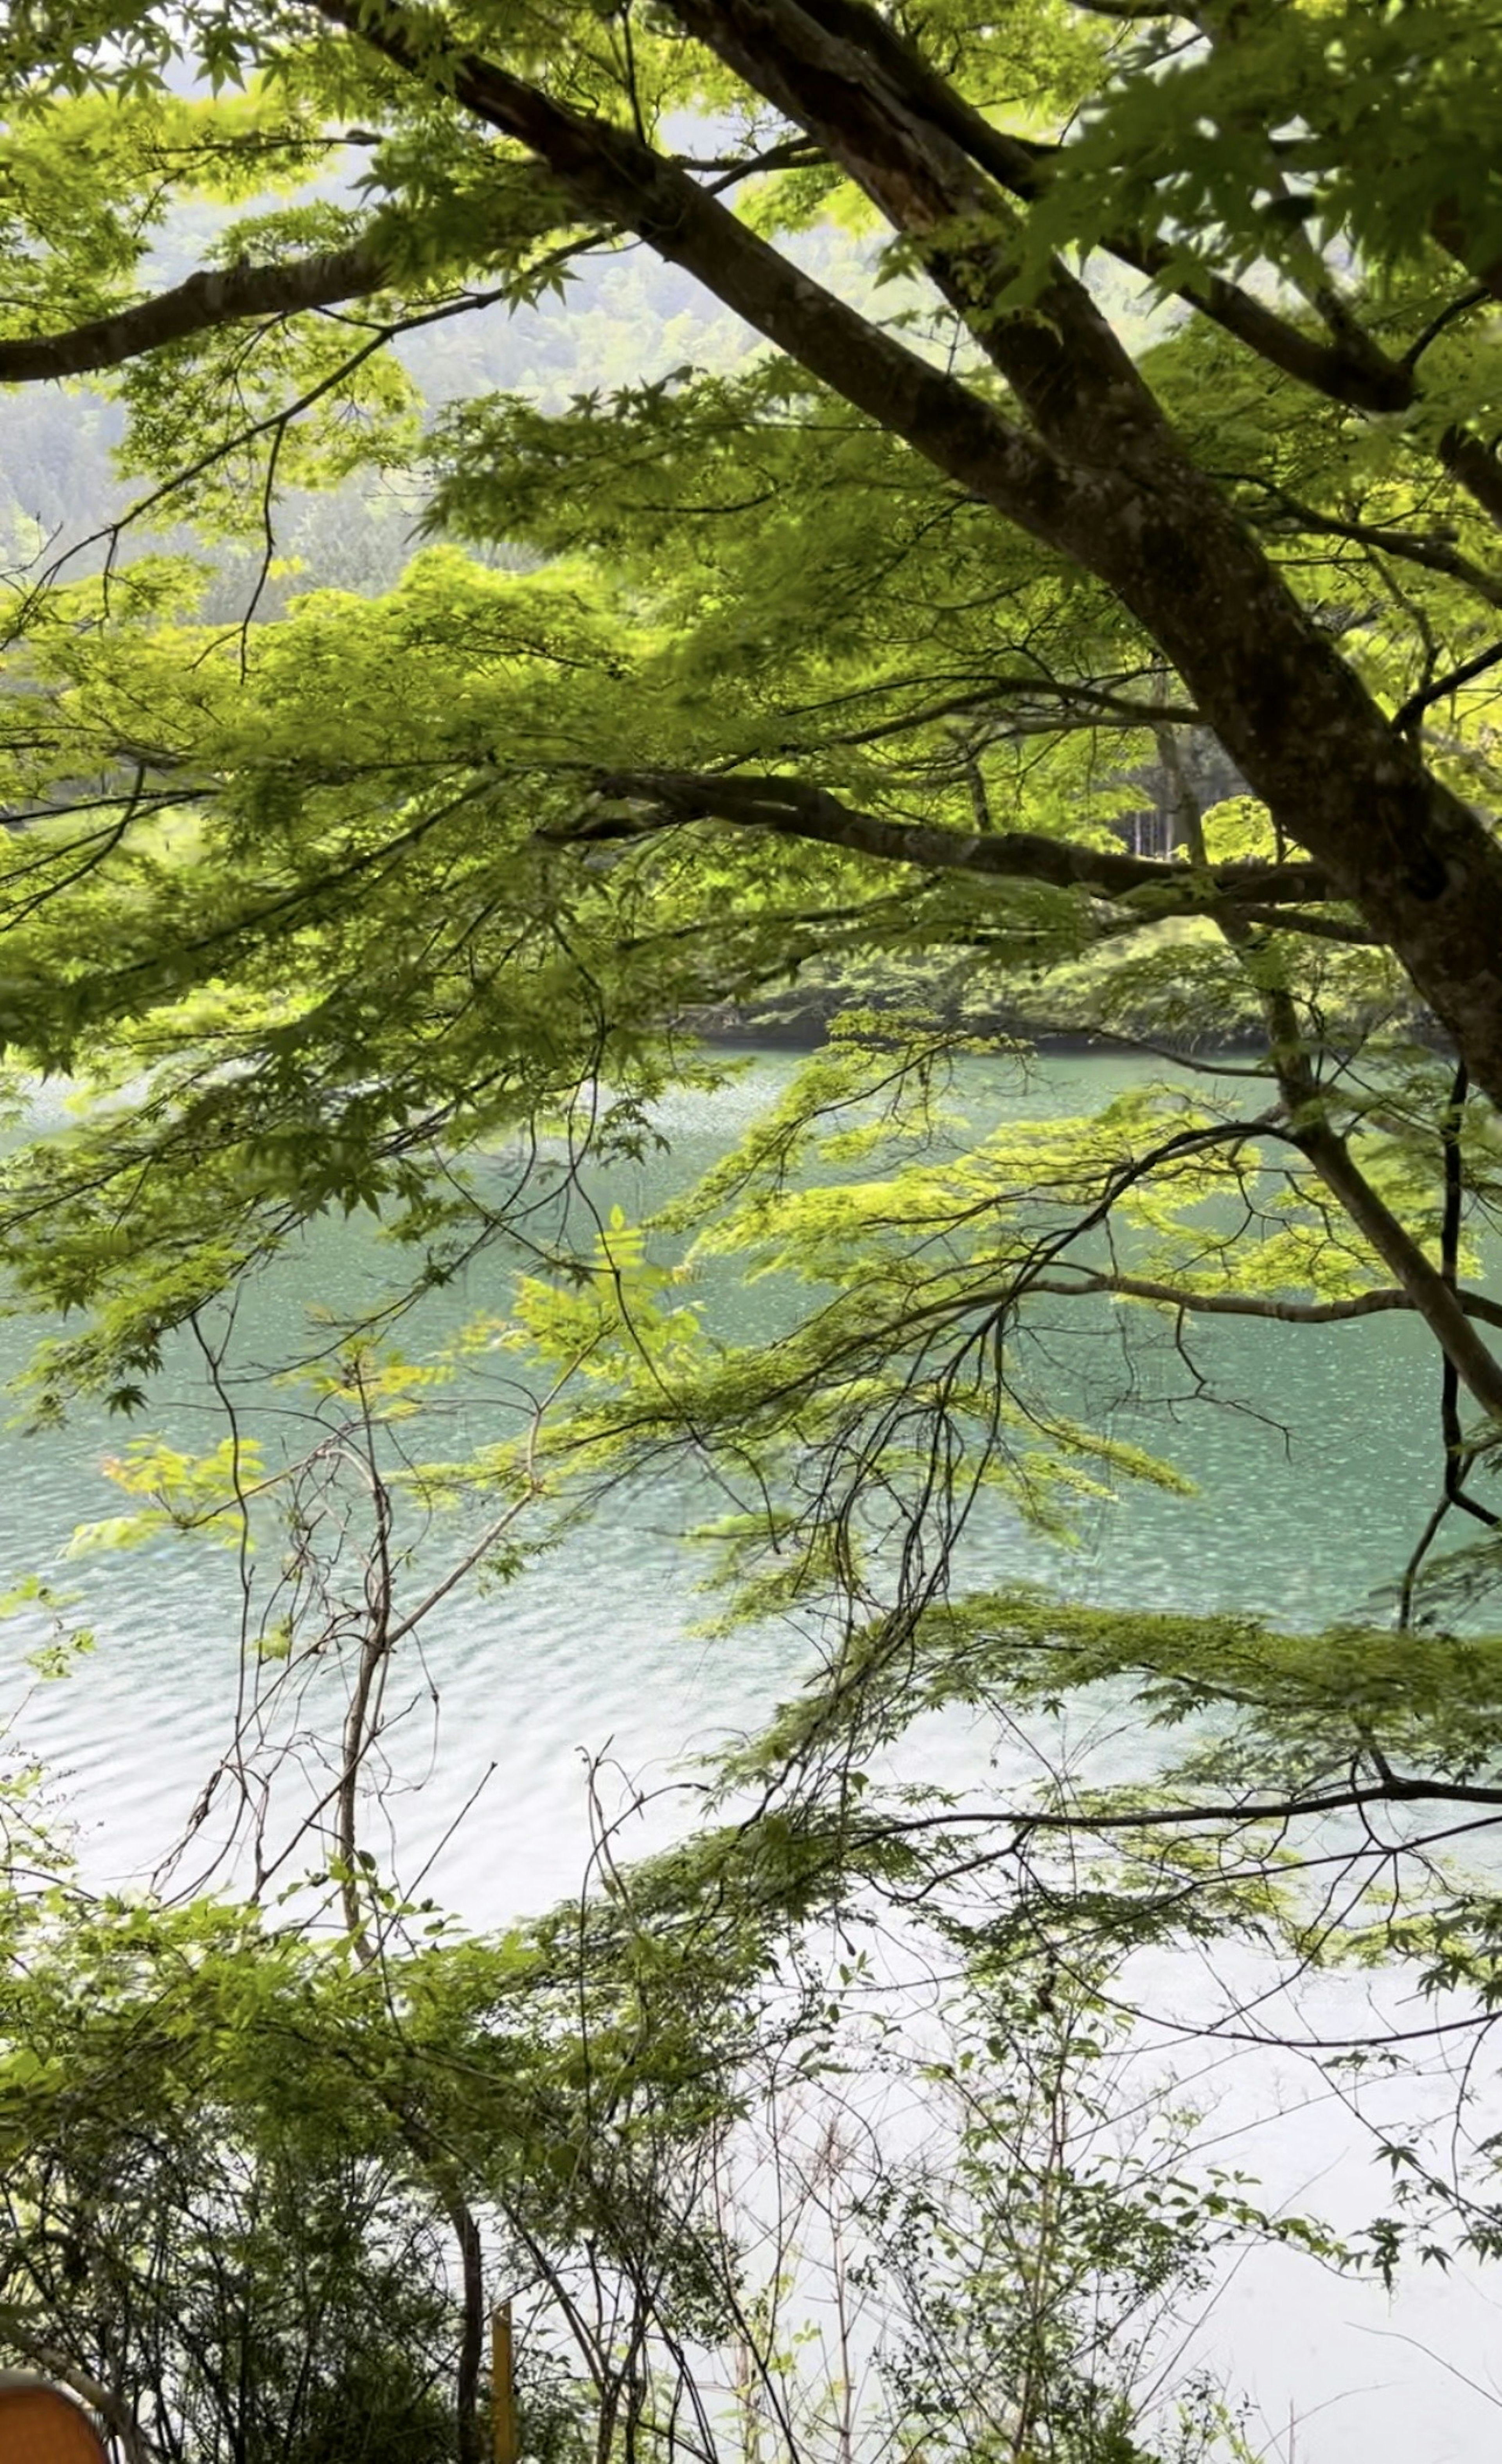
<point x="471" y="2440"/>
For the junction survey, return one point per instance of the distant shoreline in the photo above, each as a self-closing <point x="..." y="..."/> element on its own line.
<point x="806" y="1027"/>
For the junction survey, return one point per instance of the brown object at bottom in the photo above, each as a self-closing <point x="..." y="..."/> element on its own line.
<point x="39" y="2426"/>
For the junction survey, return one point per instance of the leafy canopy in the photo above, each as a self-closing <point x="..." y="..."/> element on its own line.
<point x="1073" y="611"/>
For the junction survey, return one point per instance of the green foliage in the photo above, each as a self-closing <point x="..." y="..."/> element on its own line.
<point x="233" y="2153"/>
<point x="715" y="677"/>
<point x="1201" y="144"/>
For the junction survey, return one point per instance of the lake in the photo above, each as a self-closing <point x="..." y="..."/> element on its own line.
<point x="1315" y="1454"/>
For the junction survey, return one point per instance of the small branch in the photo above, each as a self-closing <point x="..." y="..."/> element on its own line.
<point x="1457" y="1456"/>
<point x="1439" y="324"/>
<point x="1317" y="928"/>
<point x="1144" y="1288"/>
<point x="1393" y="1791"/>
<point x="1435" y="554"/>
<point x="1417" y="703"/>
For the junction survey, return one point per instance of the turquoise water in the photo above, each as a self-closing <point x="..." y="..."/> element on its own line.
<point x="1315" y="1454"/>
<point x="1314" y="1450"/>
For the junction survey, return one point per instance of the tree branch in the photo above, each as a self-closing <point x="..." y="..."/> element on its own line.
<point x="616" y="179"/>
<point x="1132" y="13"/>
<point x="210" y="298"/>
<point x="228" y="296"/>
<point x="1109" y="708"/>
<point x="1372" y="1304"/>
<point x="1414" y="708"/>
<point x="1103" y="480"/>
<point x="1394" y="1790"/>
<point x="1364" y="378"/>
<point x="1434" y="553"/>
<point x="1355" y="371"/>
<point x="1314" y="928"/>
<point x="1474" y="466"/>
<point x="220" y="297"/>
<point x="1448" y="226"/>
<point x="791" y="808"/>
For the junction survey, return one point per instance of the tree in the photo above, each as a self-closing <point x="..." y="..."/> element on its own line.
<point x="845" y="654"/>
<point x="224" y="2229"/>
<point x="1082" y="458"/>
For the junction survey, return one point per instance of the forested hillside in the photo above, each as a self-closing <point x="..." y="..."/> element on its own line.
<point x="626" y="318"/>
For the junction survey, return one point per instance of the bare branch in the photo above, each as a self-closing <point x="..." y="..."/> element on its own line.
<point x="1142" y="1287"/>
<point x="1393" y="1791"/>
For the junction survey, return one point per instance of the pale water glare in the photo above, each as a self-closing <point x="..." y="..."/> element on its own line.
<point x="1315" y="1454"/>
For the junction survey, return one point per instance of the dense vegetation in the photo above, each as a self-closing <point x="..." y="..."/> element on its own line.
<point x="1045" y="406"/>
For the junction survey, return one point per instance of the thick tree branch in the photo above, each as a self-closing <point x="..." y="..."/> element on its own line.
<point x="871" y="102"/>
<point x="219" y="296"/>
<point x="618" y="179"/>
<point x="1138" y="512"/>
<point x="1474" y="466"/>
<point x="1441" y="1307"/>
<point x="1365" y="379"/>
<point x="1432" y="1292"/>
<point x="1132" y="13"/>
<point x="793" y="809"/>
<point x="1448" y="227"/>
<point x="1357" y="372"/>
